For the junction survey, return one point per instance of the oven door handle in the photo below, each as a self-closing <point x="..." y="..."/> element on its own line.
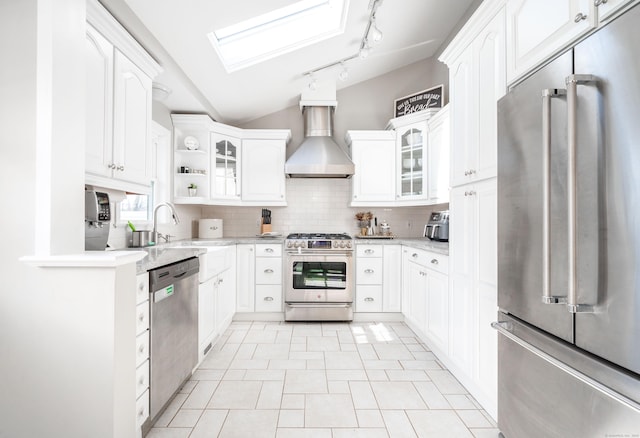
<point x="340" y="305"/>
<point x="320" y="253"/>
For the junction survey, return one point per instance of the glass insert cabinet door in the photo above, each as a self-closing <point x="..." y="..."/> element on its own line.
<point x="319" y="275"/>
<point x="412" y="160"/>
<point x="225" y="157"/>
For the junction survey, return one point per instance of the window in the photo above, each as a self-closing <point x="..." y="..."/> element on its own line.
<point x="135" y="207"/>
<point x="278" y="32"/>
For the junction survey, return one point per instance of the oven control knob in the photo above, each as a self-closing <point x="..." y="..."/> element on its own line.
<point x="335" y="244"/>
<point x="303" y="244"/>
<point x="341" y="244"/>
<point x="289" y="244"/>
<point x="349" y="244"/>
<point x="296" y="244"/>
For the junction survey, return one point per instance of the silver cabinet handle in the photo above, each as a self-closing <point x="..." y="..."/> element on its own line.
<point x="547" y="95"/>
<point x="111" y="166"/>
<point x="599" y="2"/>
<point x="369" y="251"/>
<point x="470" y="193"/>
<point x="120" y="168"/>
<point x="268" y="298"/>
<point x="368" y="271"/>
<point x="268" y="271"/>
<point x="368" y="299"/>
<point x="505" y="328"/>
<point x="435" y="261"/>
<point x="579" y="17"/>
<point x="423" y="274"/>
<point x="270" y="250"/>
<point x="414" y="255"/>
<point x="572" y="139"/>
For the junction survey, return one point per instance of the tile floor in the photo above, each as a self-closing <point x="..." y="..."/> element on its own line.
<point x="325" y="380"/>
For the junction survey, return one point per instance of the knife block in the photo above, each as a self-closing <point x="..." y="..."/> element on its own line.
<point x="265" y="228"/>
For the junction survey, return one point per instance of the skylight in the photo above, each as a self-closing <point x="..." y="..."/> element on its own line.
<point x="278" y="32"/>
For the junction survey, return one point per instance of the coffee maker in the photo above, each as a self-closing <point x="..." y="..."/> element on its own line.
<point x="97" y="220"/>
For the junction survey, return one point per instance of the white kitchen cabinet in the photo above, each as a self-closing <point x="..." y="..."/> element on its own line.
<point x="473" y="286"/>
<point x="538" y="29"/>
<point x="374" y="156"/>
<point x="392" y="278"/>
<point x="118" y="105"/>
<point x="245" y="278"/>
<point x="608" y="9"/>
<point x="437" y="155"/>
<point x="225" y="304"/>
<point x="263" y="157"/>
<point x="477" y="81"/>
<point x="378" y="278"/>
<point x="427" y="296"/>
<point x="229" y="166"/>
<point x="142" y="348"/>
<point x="268" y="278"/>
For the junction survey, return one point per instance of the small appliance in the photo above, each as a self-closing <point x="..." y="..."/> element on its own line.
<point x="97" y="218"/>
<point x="438" y="226"/>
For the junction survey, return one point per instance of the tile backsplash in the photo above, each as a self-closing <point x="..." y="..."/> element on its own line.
<point x="319" y="205"/>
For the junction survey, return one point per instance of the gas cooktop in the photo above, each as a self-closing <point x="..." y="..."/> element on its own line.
<point x="318" y="236"/>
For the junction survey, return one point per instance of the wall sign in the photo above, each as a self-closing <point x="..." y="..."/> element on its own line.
<point x="426" y="99"/>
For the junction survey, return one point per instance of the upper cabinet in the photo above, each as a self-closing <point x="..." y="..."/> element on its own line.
<point x="406" y="165"/>
<point x="537" y="29"/>
<point x="219" y="164"/>
<point x="263" y="157"/>
<point x="374" y="156"/>
<point x="540" y="29"/>
<point x="477" y="81"/>
<point x="118" y="105"/>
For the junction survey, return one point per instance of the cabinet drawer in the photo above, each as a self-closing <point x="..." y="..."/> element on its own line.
<point x="369" y="271"/>
<point x="268" y="270"/>
<point x="142" y="317"/>
<point x="269" y="250"/>
<point x="142" y="409"/>
<point x="268" y="298"/>
<point x="142" y="287"/>
<point x="369" y="250"/>
<point x="369" y="298"/>
<point x="438" y="262"/>
<point x="430" y="260"/>
<point x="142" y="378"/>
<point x="142" y="348"/>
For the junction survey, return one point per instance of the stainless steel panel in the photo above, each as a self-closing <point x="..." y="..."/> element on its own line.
<point x="521" y="201"/>
<point x="609" y="204"/>
<point x="548" y="395"/>
<point x="318" y="312"/>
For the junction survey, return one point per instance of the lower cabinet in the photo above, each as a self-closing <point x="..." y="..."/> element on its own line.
<point x="426" y="295"/>
<point x="378" y="280"/>
<point x="142" y="349"/>
<point x="259" y="279"/>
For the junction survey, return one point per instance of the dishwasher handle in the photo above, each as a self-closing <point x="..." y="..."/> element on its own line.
<point x="164" y="276"/>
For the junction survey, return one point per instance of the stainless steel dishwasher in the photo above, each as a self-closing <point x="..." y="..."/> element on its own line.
<point x="173" y="330"/>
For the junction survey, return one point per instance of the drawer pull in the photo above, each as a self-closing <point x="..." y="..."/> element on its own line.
<point x="422" y="273"/>
<point x="580" y="17"/>
<point x="268" y="271"/>
<point x="369" y="299"/>
<point x="414" y="255"/>
<point x="368" y="271"/>
<point x="435" y="261"/>
<point x="141" y="317"/>
<point x="141" y="349"/>
<point x="369" y="251"/>
<point x="268" y="250"/>
<point x="268" y="298"/>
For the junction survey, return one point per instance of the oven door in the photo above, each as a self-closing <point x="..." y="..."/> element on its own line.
<point x="319" y="278"/>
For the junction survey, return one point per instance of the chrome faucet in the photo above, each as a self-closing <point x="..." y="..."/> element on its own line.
<point x="176" y="220"/>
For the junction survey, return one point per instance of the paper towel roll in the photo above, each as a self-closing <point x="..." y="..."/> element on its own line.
<point x="210" y="228"/>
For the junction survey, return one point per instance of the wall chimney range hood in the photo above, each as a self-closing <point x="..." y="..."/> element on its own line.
<point x="319" y="156"/>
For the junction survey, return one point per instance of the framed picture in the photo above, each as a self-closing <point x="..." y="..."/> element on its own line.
<point x="423" y="100"/>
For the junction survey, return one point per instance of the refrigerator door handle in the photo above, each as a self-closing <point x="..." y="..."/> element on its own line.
<point x="505" y="328"/>
<point x="572" y="82"/>
<point x="547" y="95"/>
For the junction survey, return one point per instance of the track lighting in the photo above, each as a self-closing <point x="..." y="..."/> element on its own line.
<point x="372" y="36"/>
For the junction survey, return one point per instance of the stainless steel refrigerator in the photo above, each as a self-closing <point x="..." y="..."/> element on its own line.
<point x="569" y="242"/>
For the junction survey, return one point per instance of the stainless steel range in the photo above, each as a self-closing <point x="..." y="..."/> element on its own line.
<point x="319" y="278"/>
